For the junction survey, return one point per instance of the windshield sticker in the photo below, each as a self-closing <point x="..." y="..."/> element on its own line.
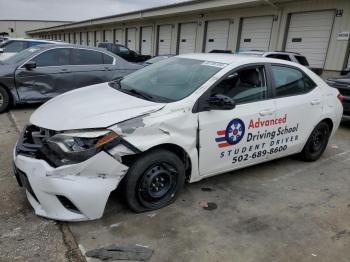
<point x="215" y="64"/>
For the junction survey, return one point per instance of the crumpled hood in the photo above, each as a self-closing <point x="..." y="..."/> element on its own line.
<point x="96" y="106"/>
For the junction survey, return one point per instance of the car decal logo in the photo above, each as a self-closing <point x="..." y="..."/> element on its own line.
<point x="232" y="135"/>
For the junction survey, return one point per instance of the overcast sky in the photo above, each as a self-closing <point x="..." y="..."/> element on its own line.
<point x="72" y="10"/>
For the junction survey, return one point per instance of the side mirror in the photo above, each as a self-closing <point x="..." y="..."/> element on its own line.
<point x="30" y="65"/>
<point x="1" y="50"/>
<point x="221" y="102"/>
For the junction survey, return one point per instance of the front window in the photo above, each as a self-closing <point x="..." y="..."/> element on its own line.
<point x="172" y="79"/>
<point x="244" y="86"/>
<point x="53" y="57"/>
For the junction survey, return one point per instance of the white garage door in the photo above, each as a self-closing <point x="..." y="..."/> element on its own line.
<point x="217" y="35"/>
<point x="66" y="37"/>
<point x="72" y="37"/>
<point x="146" y="40"/>
<point x="256" y="33"/>
<point x="99" y="37"/>
<point x="108" y="36"/>
<point x="131" y="38"/>
<point x="188" y="35"/>
<point x="84" y="38"/>
<point x="164" y="39"/>
<point x="91" y="38"/>
<point x="118" y="36"/>
<point x="309" y="35"/>
<point x="77" y="38"/>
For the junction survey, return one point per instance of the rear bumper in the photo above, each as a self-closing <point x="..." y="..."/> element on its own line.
<point x="72" y="192"/>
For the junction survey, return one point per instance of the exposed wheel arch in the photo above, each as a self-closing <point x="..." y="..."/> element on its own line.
<point x="179" y="151"/>
<point x="329" y="122"/>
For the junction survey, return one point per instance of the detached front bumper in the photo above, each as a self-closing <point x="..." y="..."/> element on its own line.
<point x="72" y="192"/>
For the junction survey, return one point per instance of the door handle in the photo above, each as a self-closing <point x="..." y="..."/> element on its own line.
<point x="108" y="68"/>
<point x="315" y="102"/>
<point x="267" y="112"/>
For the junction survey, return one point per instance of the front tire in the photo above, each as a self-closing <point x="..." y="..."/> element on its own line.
<point x="316" y="143"/>
<point x="4" y="100"/>
<point x="154" y="180"/>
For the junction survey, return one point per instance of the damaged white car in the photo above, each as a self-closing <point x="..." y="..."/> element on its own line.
<point x="184" y="118"/>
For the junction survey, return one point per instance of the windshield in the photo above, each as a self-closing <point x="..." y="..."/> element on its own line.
<point x="171" y="79"/>
<point x="17" y="58"/>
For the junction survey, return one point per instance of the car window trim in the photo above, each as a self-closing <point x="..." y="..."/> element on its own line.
<point x="71" y="47"/>
<point x="198" y="106"/>
<point x="292" y="67"/>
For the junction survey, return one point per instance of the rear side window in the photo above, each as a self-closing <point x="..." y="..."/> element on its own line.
<point x="290" y="81"/>
<point x="302" y="60"/>
<point x="107" y="60"/>
<point x="279" y="56"/>
<point x="14" y="46"/>
<point x="53" y="57"/>
<point x="86" y="57"/>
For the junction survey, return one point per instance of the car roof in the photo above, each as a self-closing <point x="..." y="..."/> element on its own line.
<point x="67" y="45"/>
<point x="235" y="59"/>
<point x="253" y="52"/>
<point x="36" y="40"/>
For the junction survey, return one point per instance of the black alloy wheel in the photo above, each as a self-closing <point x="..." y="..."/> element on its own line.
<point x="317" y="142"/>
<point x="154" y="180"/>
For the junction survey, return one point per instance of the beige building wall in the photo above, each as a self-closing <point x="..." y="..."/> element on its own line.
<point x="20" y="27"/>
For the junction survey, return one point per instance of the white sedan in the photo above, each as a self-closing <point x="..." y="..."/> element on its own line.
<point x="181" y="119"/>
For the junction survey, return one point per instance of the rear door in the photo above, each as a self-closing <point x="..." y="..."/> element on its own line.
<point x="164" y="39"/>
<point x="51" y="76"/>
<point x="309" y="34"/>
<point x="217" y="35"/>
<point x="118" y="36"/>
<point x="188" y="36"/>
<point x="256" y="33"/>
<point x="131" y="38"/>
<point x="146" y="40"/>
<point x="299" y="100"/>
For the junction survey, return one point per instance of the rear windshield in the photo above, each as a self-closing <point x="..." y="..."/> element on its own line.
<point x="302" y="60"/>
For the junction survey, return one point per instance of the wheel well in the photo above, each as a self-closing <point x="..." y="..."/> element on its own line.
<point x="179" y="151"/>
<point x="8" y="92"/>
<point x="329" y="122"/>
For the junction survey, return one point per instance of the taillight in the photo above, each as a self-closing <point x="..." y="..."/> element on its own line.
<point x="340" y="97"/>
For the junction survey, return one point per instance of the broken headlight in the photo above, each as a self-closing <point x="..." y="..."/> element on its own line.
<point x="79" y="146"/>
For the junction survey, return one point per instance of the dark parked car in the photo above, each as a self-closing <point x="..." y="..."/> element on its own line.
<point x="343" y="85"/>
<point x="44" y="71"/>
<point x="156" y="59"/>
<point x="124" y="52"/>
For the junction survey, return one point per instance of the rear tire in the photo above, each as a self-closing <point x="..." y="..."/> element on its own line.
<point x="4" y="100"/>
<point x="316" y="143"/>
<point x="154" y="180"/>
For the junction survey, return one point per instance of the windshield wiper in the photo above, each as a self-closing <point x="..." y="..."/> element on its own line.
<point x="139" y="93"/>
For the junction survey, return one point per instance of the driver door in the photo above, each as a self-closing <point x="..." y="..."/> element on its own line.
<point x="230" y="139"/>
